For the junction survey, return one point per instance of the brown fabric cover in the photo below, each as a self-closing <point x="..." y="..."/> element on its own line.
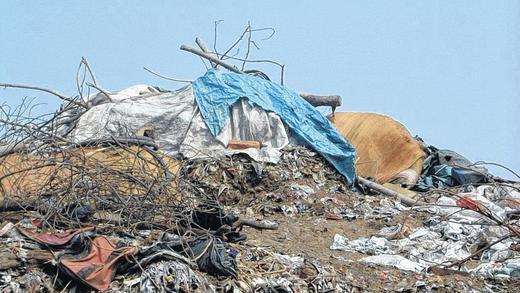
<point x="24" y="177"/>
<point x="54" y="239"/>
<point x="384" y="147"/>
<point x="98" y="267"/>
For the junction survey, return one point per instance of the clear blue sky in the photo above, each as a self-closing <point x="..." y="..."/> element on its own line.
<point x="449" y="70"/>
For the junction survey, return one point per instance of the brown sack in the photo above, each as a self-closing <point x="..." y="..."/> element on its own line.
<point x="128" y="170"/>
<point x="384" y="147"/>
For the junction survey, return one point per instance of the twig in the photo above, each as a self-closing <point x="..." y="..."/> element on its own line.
<point x="496" y="164"/>
<point x="30" y="87"/>
<point x="166" y="77"/>
<point x="32" y="128"/>
<point x="248" y="29"/>
<point x="282" y="66"/>
<point x="215" y="39"/>
<point x="101" y="90"/>
<point x="87" y="65"/>
<point x="248" y="46"/>
<point x="236" y="42"/>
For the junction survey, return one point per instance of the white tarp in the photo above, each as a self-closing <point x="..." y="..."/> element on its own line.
<point x="178" y="125"/>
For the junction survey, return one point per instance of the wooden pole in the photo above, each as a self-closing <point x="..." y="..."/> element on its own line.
<point x="316" y="101"/>
<point x="380" y="188"/>
<point x="205" y="49"/>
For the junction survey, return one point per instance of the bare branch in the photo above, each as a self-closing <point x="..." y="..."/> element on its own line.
<point x="210" y="58"/>
<point x="87" y="65"/>
<point x="316" y="101"/>
<point x="100" y="90"/>
<point x="215" y="38"/>
<point x="248" y="46"/>
<point x="236" y="42"/>
<point x="166" y="77"/>
<point x="30" y="87"/>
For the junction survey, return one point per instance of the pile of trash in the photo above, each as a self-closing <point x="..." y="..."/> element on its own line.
<point x="235" y="183"/>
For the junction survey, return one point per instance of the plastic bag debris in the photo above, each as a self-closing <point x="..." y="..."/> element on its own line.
<point x="293" y="262"/>
<point x="510" y="268"/>
<point x="393" y="260"/>
<point x="394" y="232"/>
<point x="172" y="276"/>
<point x="373" y="245"/>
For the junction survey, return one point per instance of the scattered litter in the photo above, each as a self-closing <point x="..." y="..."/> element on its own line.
<point x="235" y="183"/>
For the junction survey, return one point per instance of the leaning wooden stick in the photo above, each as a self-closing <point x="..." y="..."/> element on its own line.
<point x="316" y="101"/>
<point x="386" y="191"/>
<point x="205" y="49"/>
<point x="211" y="58"/>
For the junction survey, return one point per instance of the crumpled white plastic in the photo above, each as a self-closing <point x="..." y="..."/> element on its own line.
<point x="393" y="260"/>
<point x="178" y="124"/>
<point x="373" y="245"/>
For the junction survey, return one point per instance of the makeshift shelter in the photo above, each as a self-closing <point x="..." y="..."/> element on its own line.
<point x="201" y="119"/>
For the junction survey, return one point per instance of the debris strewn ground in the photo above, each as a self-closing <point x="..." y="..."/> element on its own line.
<point x="149" y="190"/>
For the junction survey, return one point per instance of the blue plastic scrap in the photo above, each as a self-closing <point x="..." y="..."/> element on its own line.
<point x="216" y="92"/>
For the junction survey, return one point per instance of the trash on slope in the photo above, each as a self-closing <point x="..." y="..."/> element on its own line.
<point x="456" y="231"/>
<point x="446" y="168"/>
<point x="151" y="190"/>
<point x="172" y="276"/>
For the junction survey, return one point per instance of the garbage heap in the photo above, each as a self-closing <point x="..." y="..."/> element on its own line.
<point x="237" y="184"/>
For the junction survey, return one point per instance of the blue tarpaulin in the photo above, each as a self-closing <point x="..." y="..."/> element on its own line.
<point x="216" y="92"/>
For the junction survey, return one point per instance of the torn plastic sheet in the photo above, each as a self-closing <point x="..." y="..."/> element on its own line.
<point x="215" y="92"/>
<point x="477" y="195"/>
<point x="210" y="252"/>
<point x="427" y="246"/>
<point x="449" y="235"/>
<point x="172" y="276"/>
<point x="293" y="262"/>
<point x="373" y="245"/>
<point x="178" y="125"/>
<point x="498" y="252"/>
<point x="387" y="209"/>
<point x="445" y="168"/>
<point x="393" y="260"/>
<point x="508" y="269"/>
<point x="391" y="233"/>
<point x="278" y="284"/>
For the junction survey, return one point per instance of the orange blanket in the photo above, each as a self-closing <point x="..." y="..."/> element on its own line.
<point x="384" y="147"/>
